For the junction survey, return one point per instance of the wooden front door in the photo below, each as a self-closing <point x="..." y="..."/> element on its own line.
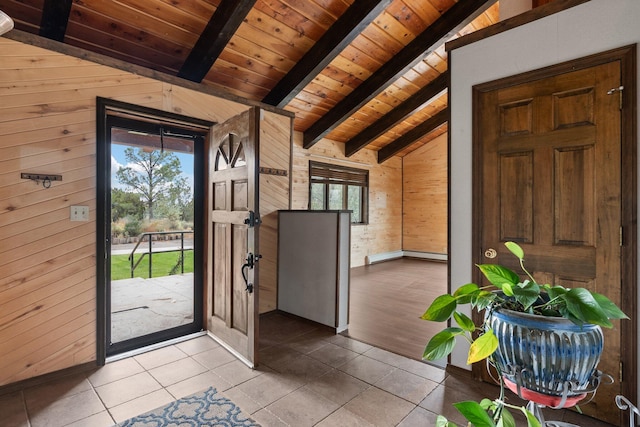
<point x="551" y="181"/>
<point x="233" y="240"/>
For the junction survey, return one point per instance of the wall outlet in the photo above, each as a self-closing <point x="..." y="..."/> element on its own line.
<point x="79" y="213"/>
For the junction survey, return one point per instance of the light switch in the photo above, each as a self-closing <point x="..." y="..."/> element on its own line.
<point x="79" y="213"/>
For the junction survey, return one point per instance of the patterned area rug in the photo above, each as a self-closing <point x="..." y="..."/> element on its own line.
<point x="201" y="409"/>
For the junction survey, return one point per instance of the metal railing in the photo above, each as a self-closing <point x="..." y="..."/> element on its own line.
<point x="150" y="239"/>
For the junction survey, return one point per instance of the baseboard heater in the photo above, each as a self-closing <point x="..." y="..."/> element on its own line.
<point x="388" y="256"/>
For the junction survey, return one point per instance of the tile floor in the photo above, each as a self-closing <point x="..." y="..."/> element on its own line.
<point x="307" y="377"/>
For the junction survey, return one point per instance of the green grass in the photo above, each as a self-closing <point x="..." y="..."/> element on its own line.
<point x="162" y="263"/>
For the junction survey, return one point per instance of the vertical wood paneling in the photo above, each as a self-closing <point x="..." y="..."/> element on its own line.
<point x="384" y="231"/>
<point x="425" y="198"/>
<point x="275" y="153"/>
<point x="48" y="263"/>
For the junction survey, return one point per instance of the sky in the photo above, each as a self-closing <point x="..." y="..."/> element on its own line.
<point x="118" y="159"/>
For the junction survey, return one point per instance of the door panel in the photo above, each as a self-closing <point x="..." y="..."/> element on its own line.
<point x="551" y="182"/>
<point x="233" y="319"/>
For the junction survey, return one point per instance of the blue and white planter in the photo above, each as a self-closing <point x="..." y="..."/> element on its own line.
<point x="549" y="360"/>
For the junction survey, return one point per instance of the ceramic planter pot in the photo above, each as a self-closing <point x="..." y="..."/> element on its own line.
<point x="548" y="360"/>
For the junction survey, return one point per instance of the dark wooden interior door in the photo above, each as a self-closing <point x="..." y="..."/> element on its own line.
<point x="233" y="243"/>
<point x="551" y="181"/>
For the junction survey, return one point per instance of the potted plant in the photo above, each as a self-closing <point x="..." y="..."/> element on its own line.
<point x="544" y="340"/>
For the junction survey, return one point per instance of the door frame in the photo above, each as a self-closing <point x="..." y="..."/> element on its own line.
<point x="104" y="108"/>
<point x="628" y="138"/>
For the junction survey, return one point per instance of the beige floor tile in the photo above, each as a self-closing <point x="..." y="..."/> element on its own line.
<point x="349" y="343"/>
<point x="241" y="399"/>
<point x="197" y="345"/>
<point x="159" y="357"/>
<point x="366" y="369"/>
<point x="303" y="368"/>
<point x="333" y="355"/>
<point x="13" y="410"/>
<point x="419" y="417"/>
<point x="101" y="419"/>
<point x="126" y="389"/>
<point x="379" y="407"/>
<point x="198" y="383"/>
<point x="425" y="370"/>
<point x="269" y="387"/>
<point x="177" y="371"/>
<point x="140" y="405"/>
<point x="338" y="386"/>
<point x="115" y="371"/>
<point x="65" y="410"/>
<point x="310" y="342"/>
<point x="440" y="401"/>
<point x="406" y="385"/>
<point x="213" y="358"/>
<point x="53" y="390"/>
<point x="385" y="356"/>
<point x="343" y="417"/>
<point x="236" y="372"/>
<point x="267" y="419"/>
<point x="302" y="408"/>
<point x="278" y="355"/>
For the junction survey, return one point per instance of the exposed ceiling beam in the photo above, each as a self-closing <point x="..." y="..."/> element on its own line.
<point x="55" y="16"/>
<point x="343" y="31"/>
<point x="221" y="27"/>
<point x="452" y="21"/>
<point x="413" y="135"/>
<point x="397" y="115"/>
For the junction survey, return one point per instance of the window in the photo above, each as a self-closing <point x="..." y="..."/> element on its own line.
<point x="333" y="187"/>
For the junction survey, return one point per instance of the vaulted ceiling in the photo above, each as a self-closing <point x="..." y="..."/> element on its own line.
<point x="366" y="73"/>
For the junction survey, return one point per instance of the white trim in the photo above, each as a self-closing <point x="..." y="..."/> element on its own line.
<point x="387" y="256"/>
<point x="425" y="255"/>
<point x="232" y="351"/>
<point x="155" y="346"/>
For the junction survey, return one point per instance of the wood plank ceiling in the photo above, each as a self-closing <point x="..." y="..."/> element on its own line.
<point x="367" y="73"/>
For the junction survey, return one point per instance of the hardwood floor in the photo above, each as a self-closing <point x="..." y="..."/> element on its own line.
<point x="387" y="300"/>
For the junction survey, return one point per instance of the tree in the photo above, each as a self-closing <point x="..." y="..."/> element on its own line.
<point x="155" y="175"/>
<point x="124" y="204"/>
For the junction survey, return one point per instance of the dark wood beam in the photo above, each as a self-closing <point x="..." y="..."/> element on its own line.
<point x="452" y="21"/>
<point x="396" y="115"/>
<point x="350" y="24"/>
<point x="221" y="27"/>
<point x="55" y="16"/>
<point x="413" y="135"/>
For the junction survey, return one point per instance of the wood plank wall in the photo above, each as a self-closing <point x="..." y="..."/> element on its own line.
<point x="384" y="232"/>
<point x="425" y="198"/>
<point x="47" y="263"/>
<point x="275" y="153"/>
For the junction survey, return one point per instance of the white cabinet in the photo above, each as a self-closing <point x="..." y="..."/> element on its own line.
<point x="313" y="265"/>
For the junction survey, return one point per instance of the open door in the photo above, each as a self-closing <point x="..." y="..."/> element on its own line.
<point x="233" y="235"/>
<point x="550" y="156"/>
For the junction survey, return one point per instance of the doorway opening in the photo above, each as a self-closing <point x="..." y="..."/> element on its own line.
<point x="150" y="237"/>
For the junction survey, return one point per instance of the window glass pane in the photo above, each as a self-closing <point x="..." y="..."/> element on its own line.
<point x="336" y="196"/>
<point x="354" y="203"/>
<point x="316" y="200"/>
<point x="337" y="187"/>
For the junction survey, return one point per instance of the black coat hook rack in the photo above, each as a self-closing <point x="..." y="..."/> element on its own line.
<point x="45" y="178"/>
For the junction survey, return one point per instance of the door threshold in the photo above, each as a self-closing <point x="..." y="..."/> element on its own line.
<point x="155" y="346"/>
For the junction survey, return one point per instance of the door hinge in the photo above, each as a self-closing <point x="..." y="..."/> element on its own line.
<point x="618" y="89"/>
<point x="620" y="376"/>
<point x="253" y="219"/>
<point x="621" y="240"/>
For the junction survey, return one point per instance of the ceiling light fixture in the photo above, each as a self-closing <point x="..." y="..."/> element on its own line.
<point x="6" y="23"/>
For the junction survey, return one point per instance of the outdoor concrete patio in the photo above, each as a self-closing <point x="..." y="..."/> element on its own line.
<point x="142" y="306"/>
